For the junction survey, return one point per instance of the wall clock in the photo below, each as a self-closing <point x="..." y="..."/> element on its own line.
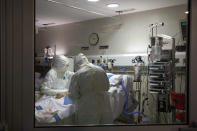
<point x="93" y="39"/>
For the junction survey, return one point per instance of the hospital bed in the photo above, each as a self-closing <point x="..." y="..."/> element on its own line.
<point x="49" y="110"/>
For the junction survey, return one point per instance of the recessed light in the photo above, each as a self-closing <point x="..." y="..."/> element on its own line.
<point x="93" y="0"/>
<point x="186" y="12"/>
<point x="113" y="5"/>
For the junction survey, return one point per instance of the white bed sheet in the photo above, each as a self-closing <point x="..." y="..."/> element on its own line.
<point x="48" y="109"/>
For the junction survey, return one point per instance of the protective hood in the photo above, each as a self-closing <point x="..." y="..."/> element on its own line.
<point x="61" y="63"/>
<point x="80" y="61"/>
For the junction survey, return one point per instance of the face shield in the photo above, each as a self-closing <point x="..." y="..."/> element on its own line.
<point x="61" y="63"/>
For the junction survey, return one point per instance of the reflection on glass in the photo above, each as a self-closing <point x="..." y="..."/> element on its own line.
<point x="96" y="65"/>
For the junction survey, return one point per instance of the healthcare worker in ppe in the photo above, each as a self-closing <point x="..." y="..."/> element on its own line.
<point x="88" y="91"/>
<point x="58" y="78"/>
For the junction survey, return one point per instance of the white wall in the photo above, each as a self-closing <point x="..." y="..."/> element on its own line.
<point x="124" y="34"/>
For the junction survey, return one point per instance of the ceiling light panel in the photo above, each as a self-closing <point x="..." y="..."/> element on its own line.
<point x="113" y="5"/>
<point x="93" y="0"/>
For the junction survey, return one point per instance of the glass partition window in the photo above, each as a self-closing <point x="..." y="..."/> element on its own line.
<point x="117" y="62"/>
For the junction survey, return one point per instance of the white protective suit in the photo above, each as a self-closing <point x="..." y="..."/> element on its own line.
<point x="88" y="91"/>
<point x="58" y="78"/>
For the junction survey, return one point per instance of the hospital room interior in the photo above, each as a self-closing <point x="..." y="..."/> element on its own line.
<point x="110" y="62"/>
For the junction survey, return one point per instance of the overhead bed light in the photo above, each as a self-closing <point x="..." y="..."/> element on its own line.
<point x="93" y="0"/>
<point x="125" y="10"/>
<point x="113" y="5"/>
<point x="47" y="24"/>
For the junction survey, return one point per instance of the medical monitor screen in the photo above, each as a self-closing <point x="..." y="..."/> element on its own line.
<point x="184" y="30"/>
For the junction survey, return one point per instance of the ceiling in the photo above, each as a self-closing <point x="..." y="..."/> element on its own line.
<point x="68" y="11"/>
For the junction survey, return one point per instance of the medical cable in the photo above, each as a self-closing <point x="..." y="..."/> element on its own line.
<point x="126" y="102"/>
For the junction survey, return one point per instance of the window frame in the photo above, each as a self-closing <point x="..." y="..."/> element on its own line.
<point x="148" y="126"/>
